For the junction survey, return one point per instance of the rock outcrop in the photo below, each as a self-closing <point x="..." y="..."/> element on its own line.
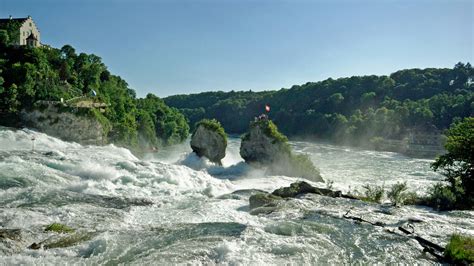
<point x="262" y="199"/>
<point x="265" y="199"/>
<point x="302" y="187"/>
<point x="209" y="140"/>
<point x="263" y="145"/>
<point x="80" y="125"/>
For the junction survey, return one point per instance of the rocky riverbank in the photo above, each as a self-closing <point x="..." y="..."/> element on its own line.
<point x="81" y="125"/>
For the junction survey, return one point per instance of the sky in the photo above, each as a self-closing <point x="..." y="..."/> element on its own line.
<point x="178" y="47"/>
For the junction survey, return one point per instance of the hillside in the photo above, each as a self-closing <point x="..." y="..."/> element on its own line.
<point x="30" y="77"/>
<point x="353" y="110"/>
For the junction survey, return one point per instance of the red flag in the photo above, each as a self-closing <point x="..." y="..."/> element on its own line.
<point x="267" y="107"/>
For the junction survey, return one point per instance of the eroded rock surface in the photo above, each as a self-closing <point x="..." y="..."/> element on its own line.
<point x="263" y="145"/>
<point x="209" y="143"/>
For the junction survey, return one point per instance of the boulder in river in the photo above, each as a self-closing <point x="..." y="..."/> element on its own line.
<point x="295" y="189"/>
<point x="264" y="145"/>
<point x="209" y="140"/>
<point x="262" y="199"/>
<point x="302" y="187"/>
<point x="13" y="234"/>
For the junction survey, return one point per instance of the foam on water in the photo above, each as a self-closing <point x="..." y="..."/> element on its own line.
<point x="168" y="208"/>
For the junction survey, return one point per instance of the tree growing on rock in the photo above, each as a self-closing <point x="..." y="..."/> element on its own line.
<point x="264" y="145"/>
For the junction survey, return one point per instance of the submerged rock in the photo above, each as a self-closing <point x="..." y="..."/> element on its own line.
<point x="302" y="187"/>
<point x="61" y="198"/>
<point x="12" y="234"/>
<point x="209" y="140"/>
<point x="62" y="241"/>
<point x="263" y="199"/>
<point x="240" y="194"/>
<point x="11" y="242"/>
<point x="264" y="145"/>
<point x="269" y="200"/>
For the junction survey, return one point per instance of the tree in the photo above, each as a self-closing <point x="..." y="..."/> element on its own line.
<point x="4" y="39"/>
<point x="67" y="51"/>
<point x="458" y="163"/>
<point x="368" y="97"/>
<point x="336" y="98"/>
<point x="12" y="27"/>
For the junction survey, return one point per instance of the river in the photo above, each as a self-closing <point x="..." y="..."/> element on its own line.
<point x="174" y="208"/>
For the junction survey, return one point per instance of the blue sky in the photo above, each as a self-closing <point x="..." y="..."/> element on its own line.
<point x="174" y="47"/>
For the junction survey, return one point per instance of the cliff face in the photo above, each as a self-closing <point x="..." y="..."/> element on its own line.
<point x="208" y="143"/>
<point x="78" y="125"/>
<point x="263" y="145"/>
<point x="258" y="147"/>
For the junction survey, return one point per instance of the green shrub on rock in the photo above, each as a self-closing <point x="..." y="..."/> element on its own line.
<point x="209" y="140"/>
<point x="270" y="130"/>
<point x="441" y="197"/>
<point x="460" y="249"/>
<point x="59" y="228"/>
<point x="399" y="195"/>
<point x="372" y="193"/>
<point x="264" y="145"/>
<point x="213" y="125"/>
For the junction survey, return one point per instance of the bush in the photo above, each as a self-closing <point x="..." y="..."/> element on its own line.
<point x="374" y="193"/>
<point x="411" y="198"/>
<point x="441" y="197"/>
<point x="460" y="249"/>
<point x="211" y="124"/>
<point x="371" y="193"/>
<point x="270" y="130"/>
<point x="399" y="195"/>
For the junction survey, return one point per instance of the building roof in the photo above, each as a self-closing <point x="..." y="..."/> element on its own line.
<point x="32" y="37"/>
<point x="6" y="20"/>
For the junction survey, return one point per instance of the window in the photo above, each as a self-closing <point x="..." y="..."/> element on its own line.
<point x="30" y="24"/>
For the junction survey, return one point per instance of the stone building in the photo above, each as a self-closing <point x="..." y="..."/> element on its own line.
<point x="22" y="31"/>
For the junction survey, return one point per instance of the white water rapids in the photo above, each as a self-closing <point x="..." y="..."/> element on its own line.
<point x="174" y="208"/>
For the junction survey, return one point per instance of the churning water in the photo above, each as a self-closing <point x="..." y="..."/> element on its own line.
<point x="175" y="208"/>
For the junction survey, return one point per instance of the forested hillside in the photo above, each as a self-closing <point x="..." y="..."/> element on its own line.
<point x="354" y="109"/>
<point x="28" y="75"/>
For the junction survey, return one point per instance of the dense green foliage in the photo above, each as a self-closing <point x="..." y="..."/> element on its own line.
<point x="286" y="162"/>
<point x="213" y="125"/>
<point x="168" y="123"/>
<point x="10" y="32"/>
<point x="31" y="74"/>
<point x="460" y="249"/>
<point x="458" y="167"/>
<point x="358" y="108"/>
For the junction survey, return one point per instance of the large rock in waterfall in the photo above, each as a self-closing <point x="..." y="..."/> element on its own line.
<point x="264" y="145"/>
<point x="209" y="140"/>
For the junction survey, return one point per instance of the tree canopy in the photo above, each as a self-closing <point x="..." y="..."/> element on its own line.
<point x="458" y="163"/>
<point x="357" y="108"/>
<point x="28" y="75"/>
